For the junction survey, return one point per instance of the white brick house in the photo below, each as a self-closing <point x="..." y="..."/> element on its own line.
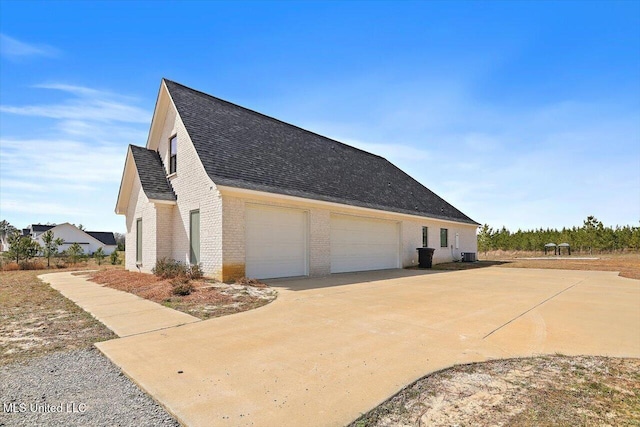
<point x="243" y="194"/>
<point x="89" y="241"/>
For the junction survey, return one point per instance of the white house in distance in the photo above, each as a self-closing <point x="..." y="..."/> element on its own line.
<point x="89" y="241"/>
<point x="244" y="194"/>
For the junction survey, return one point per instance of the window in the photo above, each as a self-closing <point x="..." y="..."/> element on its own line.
<point x="194" y="237"/>
<point x="139" y="240"/>
<point x="173" y="153"/>
<point x="444" y="237"/>
<point x="425" y="237"/>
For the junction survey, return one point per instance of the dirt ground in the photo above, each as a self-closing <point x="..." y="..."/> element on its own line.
<point x="35" y="319"/>
<point x="628" y="265"/>
<point x="541" y="391"/>
<point x="209" y="298"/>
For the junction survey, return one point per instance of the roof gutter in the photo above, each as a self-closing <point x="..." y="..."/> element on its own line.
<point x="231" y="191"/>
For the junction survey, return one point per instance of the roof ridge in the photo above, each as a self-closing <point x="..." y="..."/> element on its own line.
<point x="249" y="110"/>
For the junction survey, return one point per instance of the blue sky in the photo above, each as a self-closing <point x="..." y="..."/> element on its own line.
<point x="521" y="114"/>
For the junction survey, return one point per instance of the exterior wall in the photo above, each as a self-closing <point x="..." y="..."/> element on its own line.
<point x="233" y="243"/>
<point x="233" y="240"/>
<point x="194" y="190"/>
<point x="412" y="239"/>
<point x="140" y="207"/>
<point x="71" y="234"/>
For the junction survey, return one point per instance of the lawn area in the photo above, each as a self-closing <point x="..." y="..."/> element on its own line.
<point x="628" y="265"/>
<point x="540" y="391"/>
<point x="35" y="319"/>
<point x="207" y="300"/>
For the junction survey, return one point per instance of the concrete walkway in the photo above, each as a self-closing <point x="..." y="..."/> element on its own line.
<point x="124" y="313"/>
<point x="330" y="349"/>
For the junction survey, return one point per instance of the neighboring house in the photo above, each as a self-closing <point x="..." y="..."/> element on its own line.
<point x="244" y="194"/>
<point x="89" y="241"/>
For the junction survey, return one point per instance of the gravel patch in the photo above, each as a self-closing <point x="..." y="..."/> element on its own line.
<point x="83" y="384"/>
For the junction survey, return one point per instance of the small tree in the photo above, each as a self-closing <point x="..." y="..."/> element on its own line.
<point x="99" y="255"/>
<point x="51" y="245"/>
<point x="120" y="241"/>
<point x="22" y="248"/>
<point x="114" y="258"/>
<point x="75" y="252"/>
<point x="6" y="229"/>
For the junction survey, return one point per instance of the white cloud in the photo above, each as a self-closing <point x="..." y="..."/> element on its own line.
<point x="39" y="208"/>
<point x="15" y="49"/>
<point x="87" y="105"/>
<point x="547" y="165"/>
<point x="94" y="109"/>
<point x="73" y="174"/>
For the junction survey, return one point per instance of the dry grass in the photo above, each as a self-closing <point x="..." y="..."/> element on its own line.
<point x="209" y="299"/>
<point x="35" y="319"/>
<point x="541" y="391"/>
<point x="628" y="265"/>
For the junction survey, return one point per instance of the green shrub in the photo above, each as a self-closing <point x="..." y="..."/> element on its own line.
<point x="168" y="268"/>
<point x="114" y="258"/>
<point x="75" y="253"/>
<point x="99" y="255"/>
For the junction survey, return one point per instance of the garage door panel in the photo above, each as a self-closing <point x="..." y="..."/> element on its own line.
<point x="359" y="244"/>
<point x="276" y="242"/>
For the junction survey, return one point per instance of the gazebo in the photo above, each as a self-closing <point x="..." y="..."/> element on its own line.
<point x="564" y="245"/>
<point x="548" y="247"/>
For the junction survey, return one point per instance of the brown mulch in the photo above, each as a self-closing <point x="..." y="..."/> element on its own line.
<point x="208" y="299"/>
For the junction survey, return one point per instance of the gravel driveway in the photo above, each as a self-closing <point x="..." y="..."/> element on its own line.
<point x="83" y="381"/>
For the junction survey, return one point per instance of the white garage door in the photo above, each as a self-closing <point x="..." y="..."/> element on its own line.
<point x="276" y="242"/>
<point x="359" y="244"/>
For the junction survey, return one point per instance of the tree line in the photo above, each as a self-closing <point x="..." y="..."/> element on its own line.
<point x="591" y="237"/>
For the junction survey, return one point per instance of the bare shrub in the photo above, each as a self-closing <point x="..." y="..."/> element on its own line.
<point x="168" y="268"/>
<point x="10" y="266"/>
<point x="195" y="272"/>
<point x="32" y="264"/>
<point x="182" y="288"/>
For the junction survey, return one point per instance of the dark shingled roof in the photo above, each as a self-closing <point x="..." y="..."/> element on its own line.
<point x="41" y="227"/>
<point x="152" y="174"/>
<point x="105" y="237"/>
<point x="242" y="148"/>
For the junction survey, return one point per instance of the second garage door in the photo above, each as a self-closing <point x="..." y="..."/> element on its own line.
<point x="276" y="242"/>
<point x="359" y="244"/>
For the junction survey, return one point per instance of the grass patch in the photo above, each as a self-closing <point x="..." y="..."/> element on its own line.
<point x="35" y="319"/>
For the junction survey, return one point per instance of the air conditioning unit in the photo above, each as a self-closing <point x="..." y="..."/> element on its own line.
<point x="468" y="257"/>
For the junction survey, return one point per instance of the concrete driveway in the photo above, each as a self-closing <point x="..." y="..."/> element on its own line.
<point x="329" y="349"/>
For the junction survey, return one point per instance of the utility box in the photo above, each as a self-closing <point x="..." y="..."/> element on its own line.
<point x="469" y="257"/>
<point x="425" y="257"/>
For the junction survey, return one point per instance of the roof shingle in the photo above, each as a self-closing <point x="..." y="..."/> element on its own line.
<point x="242" y="148"/>
<point x="106" y="237"/>
<point x="152" y="174"/>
